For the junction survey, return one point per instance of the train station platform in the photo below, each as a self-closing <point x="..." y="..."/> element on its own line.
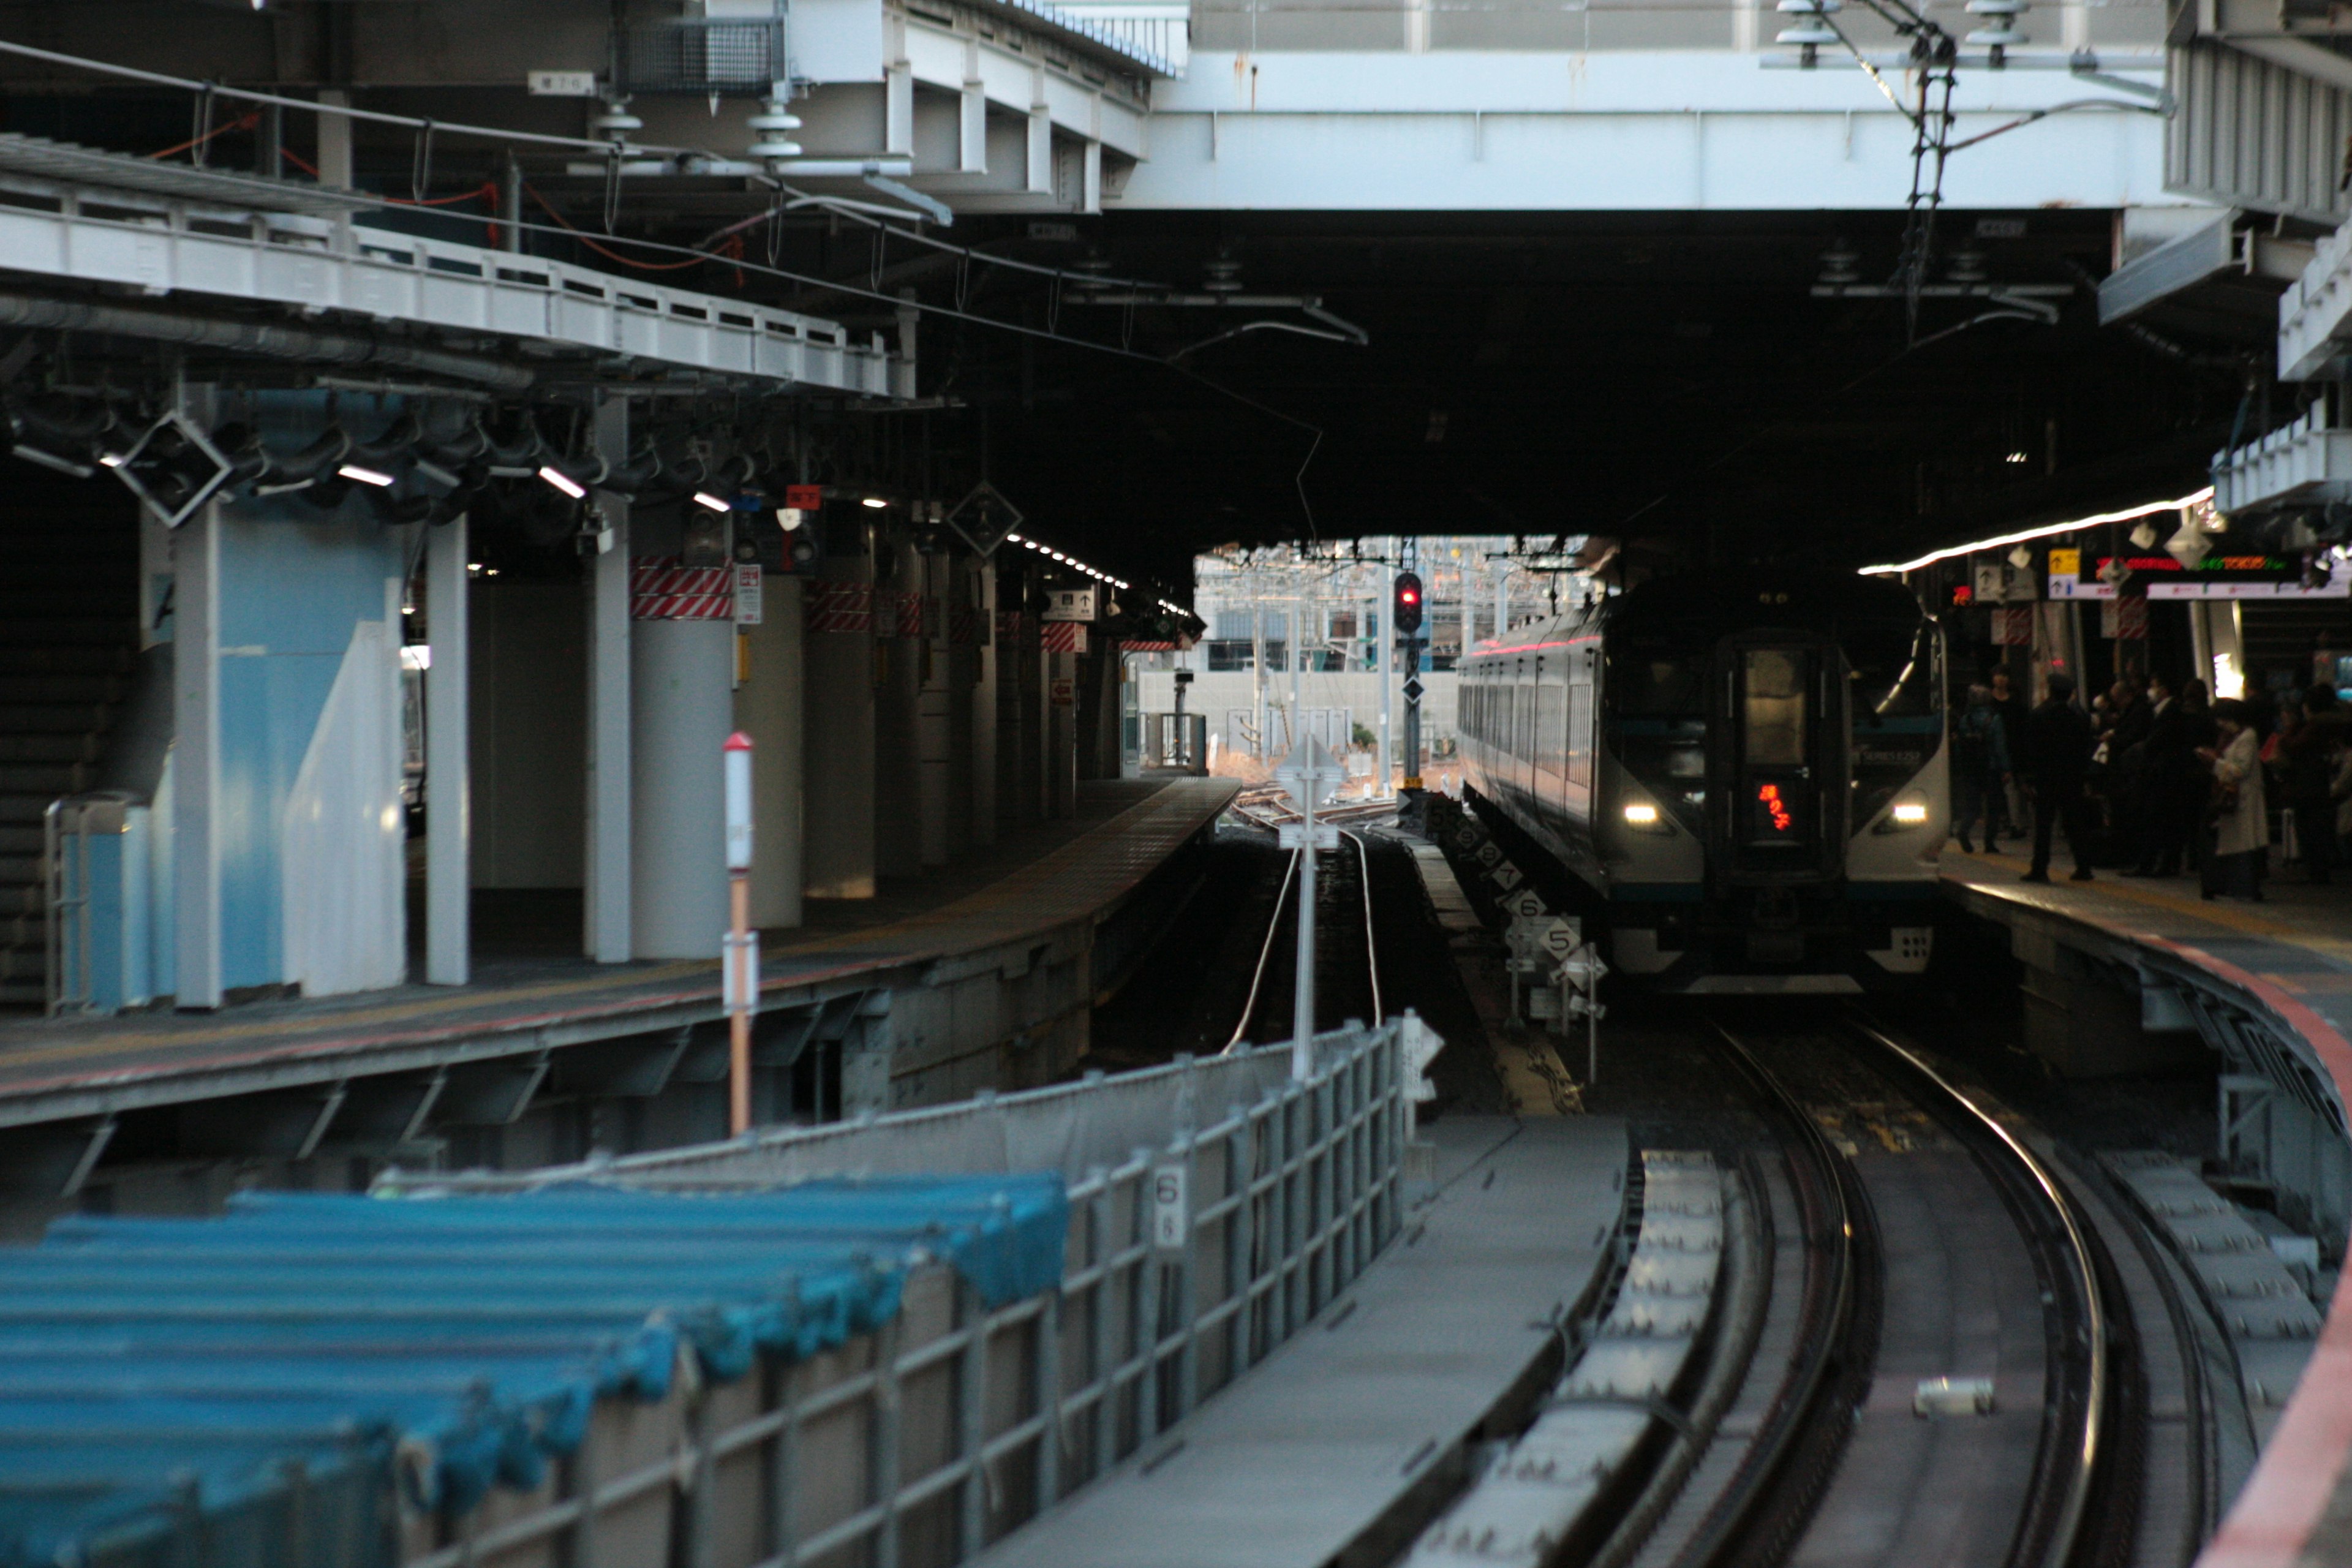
<point x="2269" y="986"/>
<point x="980" y="976"/>
<point x="1304" y="1458"/>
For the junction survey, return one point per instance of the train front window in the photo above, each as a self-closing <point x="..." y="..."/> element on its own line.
<point x="1893" y="672"/>
<point x="1658" y="680"/>
<point x="1773" y="689"/>
<point x="1896" y="684"/>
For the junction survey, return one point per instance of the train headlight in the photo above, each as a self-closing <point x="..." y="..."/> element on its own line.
<point x="1644" y="818"/>
<point x="1909" y="814"/>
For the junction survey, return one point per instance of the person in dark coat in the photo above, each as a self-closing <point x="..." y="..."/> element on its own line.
<point x="2056" y="760"/>
<point x="2309" y="745"/>
<point x="2012" y="708"/>
<point x="2165" y="783"/>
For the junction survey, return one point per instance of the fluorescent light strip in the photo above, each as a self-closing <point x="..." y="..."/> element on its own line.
<point x="704" y="497"/>
<point x="2150" y="509"/>
<point x="563" y="482"/>
<point x="358" y="475"/>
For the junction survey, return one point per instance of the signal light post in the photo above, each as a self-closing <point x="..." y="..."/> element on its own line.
<point x="1405" y="612"/>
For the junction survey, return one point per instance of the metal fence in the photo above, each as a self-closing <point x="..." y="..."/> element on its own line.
<point x="1189" y="1258"/>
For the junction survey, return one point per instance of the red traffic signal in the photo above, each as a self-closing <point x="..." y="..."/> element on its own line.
<point x="1408" y="604"/>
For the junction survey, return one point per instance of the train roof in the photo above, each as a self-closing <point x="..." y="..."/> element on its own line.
<point x="1728" y="600"/>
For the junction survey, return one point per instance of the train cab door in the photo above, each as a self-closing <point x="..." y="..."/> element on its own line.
<point x="1776" y="764"/>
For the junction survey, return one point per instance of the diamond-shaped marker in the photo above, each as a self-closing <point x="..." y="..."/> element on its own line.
<point x="1412" y="691"/>
<point x="983" y="518"/>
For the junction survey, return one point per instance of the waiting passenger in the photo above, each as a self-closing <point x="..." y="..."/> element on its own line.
<point x="2057" y="760"/>
<point x="1980" y="770"/>
<point x="2240" y="814"/>
<point x="2309" y="745"/>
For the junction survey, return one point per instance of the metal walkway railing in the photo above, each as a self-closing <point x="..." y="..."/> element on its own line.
<point x="1189" y="1258"/>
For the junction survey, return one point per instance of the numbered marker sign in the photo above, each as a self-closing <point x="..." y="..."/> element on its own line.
<point x="1170" y="1215"/>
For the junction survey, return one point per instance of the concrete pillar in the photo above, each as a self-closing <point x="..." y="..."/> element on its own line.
<point x="986" y="720"/>
<point x="607" y="902"/>
<point x="769" y="708"/>
<point x="1035" y="730"/>
<point x="960" y="653"/>
<point x="897" y="755"/>
<point x="197" y="759"/>
<point x="837" y="729"/>
<point x="448" y="762"/>
<point x="1062" y="734"/>
<point x="680" y="673"/>
<point x="934" y="711"/>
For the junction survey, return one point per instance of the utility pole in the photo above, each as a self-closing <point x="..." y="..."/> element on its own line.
<point x="1386" y="657"/>
<point x="1257" y="665"/>
<point x="1307" y="772"/>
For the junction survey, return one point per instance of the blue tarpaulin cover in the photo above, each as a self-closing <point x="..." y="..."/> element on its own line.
<point x="155" y="1372"/>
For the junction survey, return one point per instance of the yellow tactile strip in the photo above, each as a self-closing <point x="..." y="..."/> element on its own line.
<point x="1073" y="880"/>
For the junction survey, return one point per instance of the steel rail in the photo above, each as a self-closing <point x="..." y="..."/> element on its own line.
<point x="1273" y="927"/>
<point x="1265" y="953"/>
<point x="1729" y="1533"/>
<point x="2088" y="1447"/>
<point x="1371" y="932"/>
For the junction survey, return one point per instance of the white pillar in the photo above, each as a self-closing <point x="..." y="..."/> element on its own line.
<point x="448" y="768"/>
<point x="335" y="140"/>
<point x="1388" y="690"/>
<point x="769" y="708"/>
<point x="1502" y="599"/>
<point x="607" y="861"/>
<point x="2226" y="628"/>
<point x="682" y="708"/>
<point x="195" y="761"/>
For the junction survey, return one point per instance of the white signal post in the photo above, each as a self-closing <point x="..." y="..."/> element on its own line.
<point x="1306" y="773"/>
<point x="738" y="959"/>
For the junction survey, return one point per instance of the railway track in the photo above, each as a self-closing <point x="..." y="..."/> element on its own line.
<point x="1346" y="951"/>
<point x="2030" y="1467"/>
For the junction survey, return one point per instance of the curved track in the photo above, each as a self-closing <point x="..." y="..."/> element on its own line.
<point x="1800" y="1484"/>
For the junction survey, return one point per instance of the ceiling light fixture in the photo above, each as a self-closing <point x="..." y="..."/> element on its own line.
<point x="877" y="503"/>
<point x="704" y="497"/>
<point x="358" y="475"/>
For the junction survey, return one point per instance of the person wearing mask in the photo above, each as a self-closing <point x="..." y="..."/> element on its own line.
<point x="2057" y="760"/>
<point x="2240" y="816"/>
<point x="1981" y="769"/>
<point x="2308" y="748"/>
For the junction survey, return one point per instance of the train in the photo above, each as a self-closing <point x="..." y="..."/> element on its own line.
<point x="1740" y="776"/>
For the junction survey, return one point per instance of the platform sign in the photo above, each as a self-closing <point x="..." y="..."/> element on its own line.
<point x="1172" y="1215"/>
<point x="748" y="594"/>
<point x="1065" y="691"/>
<point x="1070" y="604"/>
<point x="804" y="497"/>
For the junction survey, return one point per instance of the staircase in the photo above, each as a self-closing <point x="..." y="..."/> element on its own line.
<point x="68" y="631"/>
<point x="2282" y="634"/>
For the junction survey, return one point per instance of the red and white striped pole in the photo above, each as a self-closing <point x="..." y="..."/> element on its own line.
<point x="739" y="960"/>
